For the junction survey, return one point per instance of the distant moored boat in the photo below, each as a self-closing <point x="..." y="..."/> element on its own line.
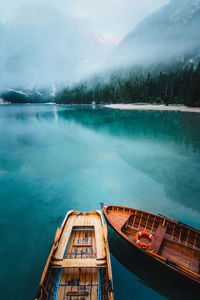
<point x="78" y="266"/>
<point x="173" y="244"/>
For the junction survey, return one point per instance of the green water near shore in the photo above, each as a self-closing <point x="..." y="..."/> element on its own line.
<point x="56" y="158"/>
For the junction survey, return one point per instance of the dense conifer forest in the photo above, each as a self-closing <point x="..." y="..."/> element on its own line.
<point x="177" y="84"/>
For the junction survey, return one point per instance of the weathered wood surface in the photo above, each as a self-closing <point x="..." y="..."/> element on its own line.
<point x="65" y="237"/>
<point x="158" y="238"/>
<point x="81" y="255"/>
<point x="79" y="263"/>
<point x="174" y="243"/>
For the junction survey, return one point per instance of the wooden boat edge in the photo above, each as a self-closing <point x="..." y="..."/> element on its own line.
<point x="147" y="253"/>
<point x="158" y="215"/>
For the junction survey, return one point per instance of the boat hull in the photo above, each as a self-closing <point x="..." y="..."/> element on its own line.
<point x="119" y="223"/>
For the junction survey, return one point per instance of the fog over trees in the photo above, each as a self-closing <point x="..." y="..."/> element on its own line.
<point x="103" y="52"/>
<point x="164" y="54"/>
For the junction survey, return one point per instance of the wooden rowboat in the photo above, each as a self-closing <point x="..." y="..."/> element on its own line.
<point x="78" y="266"/>
<point x="174" y="244"/>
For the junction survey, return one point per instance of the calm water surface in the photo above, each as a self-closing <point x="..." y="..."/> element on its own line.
<point x="55" y="158"/>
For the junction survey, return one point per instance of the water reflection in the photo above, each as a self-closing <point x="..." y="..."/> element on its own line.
<point x="163" y="145"/>
<point x="55" y="158"/>
<point x="181" y="128"/>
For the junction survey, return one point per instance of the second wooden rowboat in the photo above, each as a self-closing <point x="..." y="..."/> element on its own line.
<point x="78" y="266"/>
<point x="172" y="243"/>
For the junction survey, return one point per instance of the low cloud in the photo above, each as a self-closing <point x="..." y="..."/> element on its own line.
<point x="44" y="42"/>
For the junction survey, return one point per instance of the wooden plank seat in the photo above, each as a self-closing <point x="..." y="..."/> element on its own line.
<point x="82" y="245"/>
<point x="77" y="294"/>
<point x="158" y="238"/>
<point x="79" y="263"/>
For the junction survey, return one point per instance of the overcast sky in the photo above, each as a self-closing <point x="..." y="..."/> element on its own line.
<point x="114" y="17"/>
<point x="46" y="41"/>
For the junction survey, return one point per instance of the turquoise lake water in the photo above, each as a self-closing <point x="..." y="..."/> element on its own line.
<point x="56" y="158"/>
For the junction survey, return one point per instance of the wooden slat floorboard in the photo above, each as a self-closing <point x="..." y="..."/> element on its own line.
<point x="79" y="252"/>
<point x="83" y="249"/>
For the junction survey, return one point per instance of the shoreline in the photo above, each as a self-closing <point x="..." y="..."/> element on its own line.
<point x="161" y="107"/>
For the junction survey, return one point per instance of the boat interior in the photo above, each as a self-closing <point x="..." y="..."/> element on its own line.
<point x="79" y="263"/>
<point x="176" y="242"/>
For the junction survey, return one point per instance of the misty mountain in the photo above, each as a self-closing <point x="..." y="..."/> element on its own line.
<point x="170" y="33"/>
<point x="42" y="46"/>
<point x="27" y="95"/>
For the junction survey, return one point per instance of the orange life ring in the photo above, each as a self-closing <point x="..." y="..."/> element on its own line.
<point x="143" y="233"/>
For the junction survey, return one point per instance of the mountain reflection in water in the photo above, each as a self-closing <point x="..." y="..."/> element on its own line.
<point x="163" y="145"/>
<point x="55" y="158"/>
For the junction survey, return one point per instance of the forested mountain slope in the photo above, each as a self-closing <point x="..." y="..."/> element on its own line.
<point x="170" y="33"/>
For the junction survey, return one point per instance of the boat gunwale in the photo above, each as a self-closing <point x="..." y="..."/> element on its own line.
<point x="158" y="216"/>
<point x="147" y="253"/>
